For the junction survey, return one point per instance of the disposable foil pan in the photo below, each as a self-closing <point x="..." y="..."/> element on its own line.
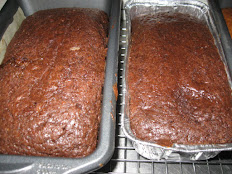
<point x="10" y="19"/>
<point x="207" y="12"/>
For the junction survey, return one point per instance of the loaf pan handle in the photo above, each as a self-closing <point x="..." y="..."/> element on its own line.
<point x="15" y="167"/>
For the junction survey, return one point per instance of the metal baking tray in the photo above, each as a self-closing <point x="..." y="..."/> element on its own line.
<point x="207" y="11"/>
<point x="225" y="3"/>
<point x="106" y="139"/>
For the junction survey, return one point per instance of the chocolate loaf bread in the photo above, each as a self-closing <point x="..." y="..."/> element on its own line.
<point x="178" y="87"/>
<point x="51" y="84"/>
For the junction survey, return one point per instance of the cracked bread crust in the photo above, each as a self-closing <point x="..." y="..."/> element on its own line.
<point x="178" y="87"/>
<point x="51" y="84"/>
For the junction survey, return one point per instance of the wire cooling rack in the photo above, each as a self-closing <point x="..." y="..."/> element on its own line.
<point x="127" y="160"/>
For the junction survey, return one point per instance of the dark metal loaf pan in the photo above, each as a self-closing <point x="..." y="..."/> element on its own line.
<point x="225" y="3"/>
<point x="106" y="144"/>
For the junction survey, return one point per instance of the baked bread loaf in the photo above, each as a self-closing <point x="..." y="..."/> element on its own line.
<point x="51" y="84"/>
<point x="178" y="87"/>
<point x="227" y="13"/>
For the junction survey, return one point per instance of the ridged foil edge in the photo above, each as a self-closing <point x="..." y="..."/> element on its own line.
<point x="177" y="152"/>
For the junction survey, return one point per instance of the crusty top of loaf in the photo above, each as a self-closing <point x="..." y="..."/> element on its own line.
<point x="51" y="84"/>
<point x="178" y="87"/>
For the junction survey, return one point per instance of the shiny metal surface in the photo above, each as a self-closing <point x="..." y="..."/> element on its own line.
<point x="127" y="161"/>
<point x="203" y="12"/>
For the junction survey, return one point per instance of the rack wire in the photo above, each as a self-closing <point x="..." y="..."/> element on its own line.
<point x="127" y="160"/>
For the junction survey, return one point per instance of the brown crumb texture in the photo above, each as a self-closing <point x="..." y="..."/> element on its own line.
<point x="51" y="84"/>
<point x="178" y="87"/>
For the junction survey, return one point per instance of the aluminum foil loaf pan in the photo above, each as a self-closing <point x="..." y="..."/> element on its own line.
<point x="11" y="16"/>
<point x="206" y="11"/>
